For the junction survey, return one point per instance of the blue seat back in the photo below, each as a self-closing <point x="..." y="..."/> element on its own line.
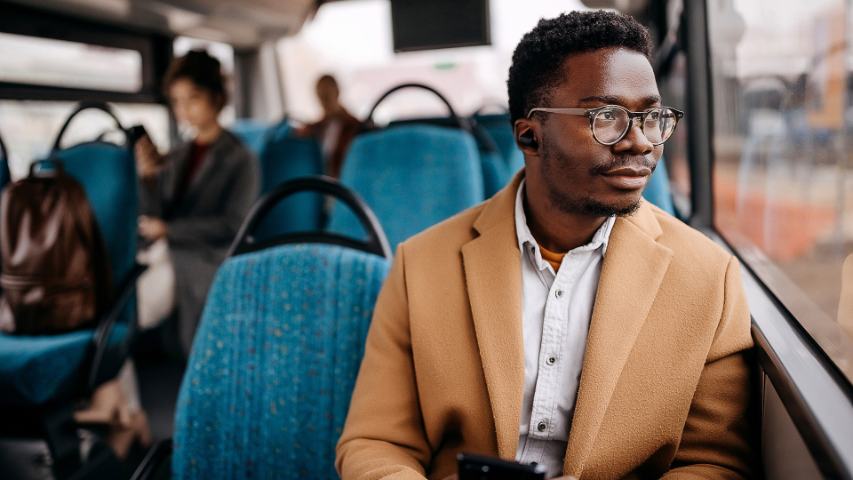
<point x="107" y="173"/>
<point x="38" y="369"/>
<point x="500" y="129"/>
<point x="412" y="177"/>
<point x="284" y="157"/>
<point x="251" y="132"/>
<point x="274" y="362"/>
<point x="657" y="191"/>
<point x="495" y="172"/>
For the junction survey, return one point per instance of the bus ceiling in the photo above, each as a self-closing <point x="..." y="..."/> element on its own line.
<point x="244" y="24"/>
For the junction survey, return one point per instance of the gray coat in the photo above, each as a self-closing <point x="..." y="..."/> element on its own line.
<point x="202" y="221"/>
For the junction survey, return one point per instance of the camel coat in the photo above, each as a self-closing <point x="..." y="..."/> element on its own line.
<point x="665" y="383"/>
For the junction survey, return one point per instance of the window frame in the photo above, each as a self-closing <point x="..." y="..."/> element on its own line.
<point x="155" y="50"/>
<point x="813" y="390"/>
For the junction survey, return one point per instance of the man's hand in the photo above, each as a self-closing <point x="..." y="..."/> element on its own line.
<point x="151" y="228"/>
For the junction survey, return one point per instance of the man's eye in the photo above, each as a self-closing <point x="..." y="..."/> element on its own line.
<point x="654" y="115"/>
<point x="608" y="115"/>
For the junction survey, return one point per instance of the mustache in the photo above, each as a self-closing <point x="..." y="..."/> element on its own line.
<point x="625" y="161"/>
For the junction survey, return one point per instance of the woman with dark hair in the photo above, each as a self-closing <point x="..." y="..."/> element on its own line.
<point x="192" y="200"/>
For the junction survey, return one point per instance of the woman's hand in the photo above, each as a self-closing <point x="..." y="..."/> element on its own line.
<point x="148" y="159"/>
<point x="151" y="228"/>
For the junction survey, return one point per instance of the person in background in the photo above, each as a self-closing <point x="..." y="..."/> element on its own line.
<point x="192" y="200"/>
<point x="335" y="130"/>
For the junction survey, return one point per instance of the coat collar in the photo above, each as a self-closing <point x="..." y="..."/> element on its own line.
<point x="632" y="272"/>
<point x="218" y="149"/>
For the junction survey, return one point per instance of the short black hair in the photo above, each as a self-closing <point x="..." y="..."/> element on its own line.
<point x="539" y="56"/>
<point x="203" y="70"/>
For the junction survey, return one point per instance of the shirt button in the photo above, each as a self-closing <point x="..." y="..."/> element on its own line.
<point x="542" y="426"/>
<point x="558" y="293"/>
<point x="551" y="360"/>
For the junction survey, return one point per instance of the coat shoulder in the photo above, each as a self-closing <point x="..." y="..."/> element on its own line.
<point x="693" y="251"/>
<point x="446" y="236"/>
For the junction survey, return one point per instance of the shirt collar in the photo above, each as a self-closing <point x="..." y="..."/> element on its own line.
<point x="528" y="244"/>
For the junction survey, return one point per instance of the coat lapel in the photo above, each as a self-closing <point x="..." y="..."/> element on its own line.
<point x="633" y="269"/>
<point x="493" y="277"/>
<point x="179" y="157"/>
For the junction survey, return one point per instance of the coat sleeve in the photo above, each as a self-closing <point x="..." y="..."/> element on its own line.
<point x="717" y="440"/>
<point x="384" y="434"/>
<point x="222" y="228"/>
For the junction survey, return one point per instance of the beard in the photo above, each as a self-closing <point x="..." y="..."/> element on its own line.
<point x="584" y="205"/>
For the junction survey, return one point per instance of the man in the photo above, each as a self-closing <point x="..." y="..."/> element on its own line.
<point x="624" y="357"/>
<point x="336" y="129"/>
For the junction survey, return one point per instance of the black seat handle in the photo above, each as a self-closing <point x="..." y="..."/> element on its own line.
<point x="88" y="105"/>
<point x="377" y="242"/>
<point x="463" y="124"/>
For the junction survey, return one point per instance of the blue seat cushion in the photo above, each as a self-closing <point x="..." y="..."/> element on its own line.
<point x="274" y="362"/>
<point x="35" y="369"/>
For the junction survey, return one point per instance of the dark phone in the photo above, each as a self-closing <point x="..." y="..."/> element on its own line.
<point x="478" y="467"/>
<point x="137" y="132"/>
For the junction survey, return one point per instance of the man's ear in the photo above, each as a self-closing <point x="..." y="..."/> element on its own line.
<point x="527" y="136"/>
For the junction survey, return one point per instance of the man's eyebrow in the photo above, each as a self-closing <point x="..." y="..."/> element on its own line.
<point x="614" y="100"/>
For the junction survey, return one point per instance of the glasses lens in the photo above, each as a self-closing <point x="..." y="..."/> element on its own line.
<point x="659" y="125"/>
<point x="609" y="124"/>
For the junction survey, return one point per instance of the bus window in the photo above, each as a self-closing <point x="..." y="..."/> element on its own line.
<point x="30" y="127"/>
<point x="353" y="41"/>
<point x="49" y="62"/>
<point x="782" y="170"/>
<point x="672" y="85"/>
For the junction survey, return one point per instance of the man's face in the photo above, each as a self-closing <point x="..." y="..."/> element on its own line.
<point x="580" y="175"/>
<point x="327" y="93"/>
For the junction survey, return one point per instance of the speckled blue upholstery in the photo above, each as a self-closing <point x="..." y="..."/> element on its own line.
<point x="657" y="191"/>
<point x="38" y="369"/>
<point x="412" y="177"/>
<point x="272" y="368"/>
<point x="284" y="157"/>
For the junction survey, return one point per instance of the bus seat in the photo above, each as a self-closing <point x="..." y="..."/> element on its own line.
<point x="499" y="128"/>
<point x="657" y="191"/>
<point x="413" y="176"/>
<point x="41" y="369"/>
<point x="284" y="157"/>
<point x="274" y="362"/>
<point x="38" y="369"/>
<point x="251" y="132"/>
<point x="495" y="171"/>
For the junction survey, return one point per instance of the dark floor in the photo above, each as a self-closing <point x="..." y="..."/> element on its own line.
<point x="159" y="381"/>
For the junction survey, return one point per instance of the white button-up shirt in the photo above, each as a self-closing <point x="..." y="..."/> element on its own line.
<point x="556" y="312"/>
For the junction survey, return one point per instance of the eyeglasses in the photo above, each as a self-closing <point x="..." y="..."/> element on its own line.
<point x="610" y="123"/>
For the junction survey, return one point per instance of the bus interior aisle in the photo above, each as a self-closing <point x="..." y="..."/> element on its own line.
<point x="281" y="239"/>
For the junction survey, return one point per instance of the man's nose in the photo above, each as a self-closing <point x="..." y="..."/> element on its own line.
<point x="635" y="140"/>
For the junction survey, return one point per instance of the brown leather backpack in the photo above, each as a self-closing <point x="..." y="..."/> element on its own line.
<point x="54" y="270"/>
